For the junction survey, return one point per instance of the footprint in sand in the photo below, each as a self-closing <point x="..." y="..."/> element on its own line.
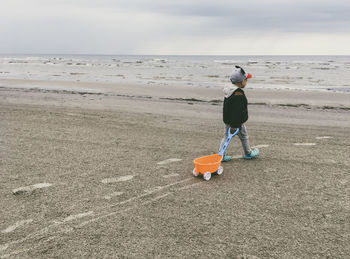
<point x="116" y="180"/>
<point x="16" y="225"/>
<point x="170" y="160"/>
<point x="30" y="188"/>
<point x="111" y="195"/>
<point x="324" y="137"/>
<point x="78" y="216"/>
<point x="170" y="175"/>
<point x="304" y="144"/>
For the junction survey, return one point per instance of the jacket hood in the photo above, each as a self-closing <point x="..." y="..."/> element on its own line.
<point x="229" y="89"/>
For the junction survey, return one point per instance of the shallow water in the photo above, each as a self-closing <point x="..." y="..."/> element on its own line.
<point x="275" y="72"/>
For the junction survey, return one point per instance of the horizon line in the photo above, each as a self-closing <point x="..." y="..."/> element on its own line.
<point x="241" y="55"/>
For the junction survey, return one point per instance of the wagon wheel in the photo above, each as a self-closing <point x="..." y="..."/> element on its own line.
<point x="195" y="173"/>
<point x="220" y="170"/>
<point x="207" y="176"/>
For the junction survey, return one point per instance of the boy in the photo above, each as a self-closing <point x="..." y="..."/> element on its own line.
<point x="235" y="111"/>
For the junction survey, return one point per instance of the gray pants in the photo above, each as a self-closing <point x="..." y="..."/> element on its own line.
<point x="243" y="136"/>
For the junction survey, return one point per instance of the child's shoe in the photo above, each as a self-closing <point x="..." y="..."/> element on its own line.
<point x="253" y="153"/>
<point x="226" y="158"/>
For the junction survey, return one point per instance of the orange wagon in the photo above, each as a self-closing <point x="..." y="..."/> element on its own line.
<point x="207" y="165"/>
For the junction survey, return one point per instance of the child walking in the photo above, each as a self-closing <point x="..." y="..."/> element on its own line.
<point x="235" y="111"/>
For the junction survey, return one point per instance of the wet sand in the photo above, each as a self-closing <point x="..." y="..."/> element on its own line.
<point x="102" y="171"/>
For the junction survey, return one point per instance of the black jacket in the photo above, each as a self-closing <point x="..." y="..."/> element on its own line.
<point x="236" y="109"/>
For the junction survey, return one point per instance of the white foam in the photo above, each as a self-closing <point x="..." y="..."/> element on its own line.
<point x="116" y="180"/>
<point x="170" y="160"/>
<point x="16" y="225"/>
<point x="31" y="188"/>
<point x="304" y="144"/>
<point x="78" y="216"/>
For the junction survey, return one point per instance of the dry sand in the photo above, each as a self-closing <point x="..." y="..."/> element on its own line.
<point x="106" y="171"/>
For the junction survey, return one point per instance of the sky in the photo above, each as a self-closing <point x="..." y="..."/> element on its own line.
<point x="175" y="27"/>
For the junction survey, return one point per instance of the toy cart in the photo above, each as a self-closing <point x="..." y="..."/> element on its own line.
<point x="207" y="165"/>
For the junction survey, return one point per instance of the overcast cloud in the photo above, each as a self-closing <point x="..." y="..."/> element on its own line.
<point x="223" y="27"/>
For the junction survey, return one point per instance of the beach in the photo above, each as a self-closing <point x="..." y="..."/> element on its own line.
<point x="105" y="170"/>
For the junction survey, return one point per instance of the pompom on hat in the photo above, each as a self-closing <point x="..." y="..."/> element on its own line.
<point x="239" y="75"/>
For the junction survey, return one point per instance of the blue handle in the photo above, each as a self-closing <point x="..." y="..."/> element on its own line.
<point x="228" y="140"/>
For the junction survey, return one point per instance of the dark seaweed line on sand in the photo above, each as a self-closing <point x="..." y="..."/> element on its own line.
<point x="40" y="90"/>
<point x="305" y="106"/>
<point x="190" y="101"/>
<point x="299" y="105"/>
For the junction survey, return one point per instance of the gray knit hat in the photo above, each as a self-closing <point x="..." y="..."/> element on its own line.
<point x="239" y="75"/>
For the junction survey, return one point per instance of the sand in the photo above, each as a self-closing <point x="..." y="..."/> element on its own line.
<point x="117" y="165"/>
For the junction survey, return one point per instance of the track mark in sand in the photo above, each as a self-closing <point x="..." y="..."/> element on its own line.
<point x="157" y="198"/>
<point x="30" y="188"/>
<point x="148" y="192"/>
<point x="189" y="186"/>
<point x="26" y="249"/>
<point x="246" y="256"/>
<point x="84" y="223"/>
<point x="111" y="195"/>
<point x="304" y="144"/>
<point x="154" y="189"/>
<point x="261" y="146"/>
<point x="31" y="235"/>
<point x="44" y="230"/>
<point x="16" y="225"/>
<point x="116" y="180"/>
<point x="236" y="157"/>
<point x="170" y="160"/>
<point x="170" y="175"/>
<point x="78" y="216"/>
<point x="323" y="137"/>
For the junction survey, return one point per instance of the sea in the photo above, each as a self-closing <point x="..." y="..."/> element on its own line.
<point x="320" y="73"/>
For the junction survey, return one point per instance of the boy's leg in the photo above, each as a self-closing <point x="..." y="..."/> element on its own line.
<point x="248" y="152"/>
<point x="227" y="127"/>
<point x="243" y="136"/>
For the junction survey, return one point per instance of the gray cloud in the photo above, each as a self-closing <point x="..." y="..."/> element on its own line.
<point x="131" y="26"/>
<point x="282" y="15"/>
<point x="303" y="16"/>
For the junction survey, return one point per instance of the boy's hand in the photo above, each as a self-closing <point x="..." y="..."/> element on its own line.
<point x="233" y="130"/>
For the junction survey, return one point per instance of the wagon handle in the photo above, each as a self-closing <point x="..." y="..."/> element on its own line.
<point x="228" y="140"/>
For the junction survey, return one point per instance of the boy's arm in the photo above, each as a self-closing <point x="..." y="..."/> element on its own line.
<point x="237" y="106"/>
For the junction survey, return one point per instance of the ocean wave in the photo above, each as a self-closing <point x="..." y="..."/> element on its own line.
<point x="226" y="62"/>
<point x="161" y="60"/>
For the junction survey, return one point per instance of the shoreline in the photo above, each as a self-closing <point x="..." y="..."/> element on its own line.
<point x="256" y="96"/>
<point x="265" y="106"/>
